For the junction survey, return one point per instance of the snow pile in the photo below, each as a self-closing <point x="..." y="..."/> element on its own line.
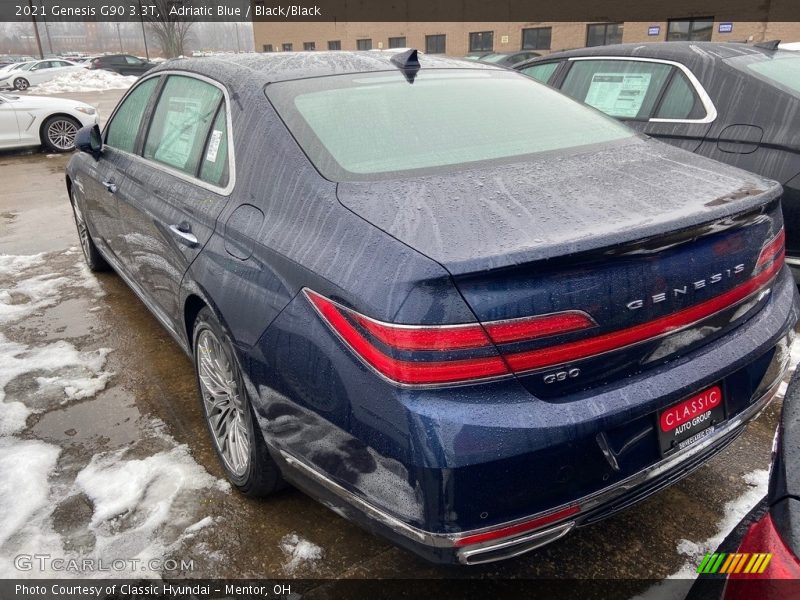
<point x="76" y="375"/>
<point x="85" y="80"/>
<point x="299" y="552"/>
<point x="138" y="502"/>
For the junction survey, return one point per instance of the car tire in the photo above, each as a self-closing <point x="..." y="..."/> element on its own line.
<point x="21" y="84"/>
<point x="228" y="412"/>
<point x="58" y="133"/>
<point x="94" y="260"/>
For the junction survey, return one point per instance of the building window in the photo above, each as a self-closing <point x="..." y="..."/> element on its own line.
<point x="268" y="48"/>
<point x="435" y="44"/>
<point x="309" y="46"/>
<point x="481" y="41"/>
<point x="287" y="47"/>
<point x="602" y="34"/>
<point x="335" y="45"/>
<point x="690" y="30"/>
<point x="397" y="42"/>
<point x="364" y="44"/>
<point x="537" y="38"/>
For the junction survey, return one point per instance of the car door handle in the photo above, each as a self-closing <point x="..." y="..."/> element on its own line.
<point x="184" y="231"/>
<point x="110" y="186"/>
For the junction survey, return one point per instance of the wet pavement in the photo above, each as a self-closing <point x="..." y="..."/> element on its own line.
<point x="120" y="464"/>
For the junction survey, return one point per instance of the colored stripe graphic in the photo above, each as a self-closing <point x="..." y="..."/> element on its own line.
<point x="724" y="563"/>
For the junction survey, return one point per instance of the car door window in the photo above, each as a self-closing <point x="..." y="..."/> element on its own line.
<point x="542" y="71"/>
<point x="680" y="101"/>
<point x="214" y="167"/>
<point x="41" y="65"/>
<point x="181" y="122"/>
<point x="620" y="88"/>
<point x="121" y="132"/>
<point x="132" y="60"/>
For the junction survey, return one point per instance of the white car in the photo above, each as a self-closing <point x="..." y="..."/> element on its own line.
<point x="35" y="120"/>
<point x="37" y="71"/>
<point x="13" y="67"/>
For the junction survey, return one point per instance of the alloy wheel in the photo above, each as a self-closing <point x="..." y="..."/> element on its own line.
<point x="223" y="402"/>
<point x="61" y="134"/>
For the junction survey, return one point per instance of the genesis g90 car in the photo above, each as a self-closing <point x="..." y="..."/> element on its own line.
<point x="467" y="325"/>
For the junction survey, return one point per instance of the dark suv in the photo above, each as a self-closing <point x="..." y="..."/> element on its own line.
<point x="124" y="64"/>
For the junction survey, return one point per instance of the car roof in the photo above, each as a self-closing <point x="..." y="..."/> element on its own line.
<point x="263" y="68"/>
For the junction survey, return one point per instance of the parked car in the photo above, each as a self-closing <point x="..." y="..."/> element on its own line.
<point x="469" y="326"/>
<point x="50" y="122"/>
<point x="760" y="558"/>
<point x="13" y="67"/>
<point x="508" y="59"/>
<point x="728" y="101"/>
<point x="124" y="64"/>
<point x="35" y="72"/>
<point x="476" y="55"/>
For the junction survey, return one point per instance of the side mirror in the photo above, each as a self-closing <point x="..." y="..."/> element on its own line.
<point x="88" y="139"/>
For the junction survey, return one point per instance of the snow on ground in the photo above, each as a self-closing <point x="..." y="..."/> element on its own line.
<point x="299" y="552"/>
<point x="84" y="80"/>
<point x="144" y="500"/>
<point x="734" y="511"/>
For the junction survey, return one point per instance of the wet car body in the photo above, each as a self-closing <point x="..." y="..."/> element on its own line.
<point x="341" y="294"/>
<point x="740" y="117"/>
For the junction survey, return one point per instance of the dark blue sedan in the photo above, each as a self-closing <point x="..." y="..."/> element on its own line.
<point x="456" y="306"/>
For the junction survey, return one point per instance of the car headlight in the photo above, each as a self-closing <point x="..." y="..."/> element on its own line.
<point x="87" y="110"/>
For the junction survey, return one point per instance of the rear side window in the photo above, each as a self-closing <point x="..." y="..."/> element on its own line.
<point x="181" y="122"/>
<point x="369" y="125"/>
<point x="214" y="166"/>
<point x="620" y="88"/>
<point x="541" y="72"/>
<point x="121" y="132"/>
<point x="680" y="101"/>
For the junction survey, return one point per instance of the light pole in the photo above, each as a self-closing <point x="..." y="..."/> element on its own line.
<point x="36" y="30"/>
<point x="119" y="37"/>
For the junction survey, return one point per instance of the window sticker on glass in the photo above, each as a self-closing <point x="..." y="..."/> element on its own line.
<point x="618" y="94"/>
<point x="179" y="132"/>
<point x="213" y="145"/>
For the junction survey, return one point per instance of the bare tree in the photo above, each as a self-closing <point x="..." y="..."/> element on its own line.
<point x="171" y="32"/>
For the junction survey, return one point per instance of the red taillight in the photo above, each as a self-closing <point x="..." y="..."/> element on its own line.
<point x="773" y="250"/>
<point x="511" y="530"/>
<point x="458" y="337"/>
<point x="378" y="343"/>
<point x="405" y="371"/>
<point x="764" y="582"/>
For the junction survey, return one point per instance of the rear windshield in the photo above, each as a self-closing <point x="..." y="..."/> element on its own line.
<point x="375" y="125"/>
<point x="782" y="69"/>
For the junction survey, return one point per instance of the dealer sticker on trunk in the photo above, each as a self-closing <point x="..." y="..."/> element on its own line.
<point x="690" y="420"/>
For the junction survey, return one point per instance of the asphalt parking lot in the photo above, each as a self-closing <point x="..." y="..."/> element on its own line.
<point x="112" y="458"/>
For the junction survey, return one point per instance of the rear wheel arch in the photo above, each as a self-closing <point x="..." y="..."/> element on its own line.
<point x="191" y="308"/>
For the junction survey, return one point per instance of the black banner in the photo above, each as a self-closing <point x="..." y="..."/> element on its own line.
<point x="396" y="10"/>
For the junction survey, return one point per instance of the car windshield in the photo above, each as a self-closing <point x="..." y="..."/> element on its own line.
<point x="371" y="125"/>
<point x="781" y="69"/>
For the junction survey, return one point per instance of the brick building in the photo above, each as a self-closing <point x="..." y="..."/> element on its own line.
<point x="457" y="39"/>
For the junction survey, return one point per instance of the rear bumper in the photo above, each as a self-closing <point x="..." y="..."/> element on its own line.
<point x="464" y="463"/>
<point x="446" y="548"/>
